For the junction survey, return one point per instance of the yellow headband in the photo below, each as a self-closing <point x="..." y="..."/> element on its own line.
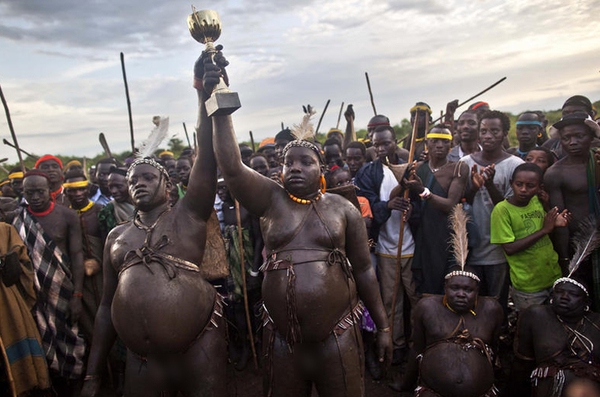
<point x="16" y="175"/>
<point x="438" y="135"/>
<point x="165" y="153"/>
<point x="75" y="185"/>
<point x="420" y="107"/>
<point x="4" y="182"/>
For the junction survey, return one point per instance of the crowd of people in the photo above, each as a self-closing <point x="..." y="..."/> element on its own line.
<point x="147" y="277"/>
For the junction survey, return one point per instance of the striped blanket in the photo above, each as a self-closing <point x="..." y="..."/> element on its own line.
<point x="62" y="344"/>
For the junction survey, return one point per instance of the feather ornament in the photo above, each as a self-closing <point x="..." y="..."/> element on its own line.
<point x="585" y="241"/>
<point x="458" y="236"/>
<point x="305" y="130"/>
<point x="156" y="137"/>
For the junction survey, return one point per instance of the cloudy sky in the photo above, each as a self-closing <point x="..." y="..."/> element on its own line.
<point x="60" y="69"/>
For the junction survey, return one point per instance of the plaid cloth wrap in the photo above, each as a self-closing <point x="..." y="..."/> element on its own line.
<point x="62" y="344"/>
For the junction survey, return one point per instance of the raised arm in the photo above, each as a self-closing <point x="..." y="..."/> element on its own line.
<point x="104" y="331"/>
<point x="250" y="188"/>
<point x="350" y="134"/>
<point x="202" y="187"/>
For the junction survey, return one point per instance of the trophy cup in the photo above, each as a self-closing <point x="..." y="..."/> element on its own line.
<point x="205" y="27"/>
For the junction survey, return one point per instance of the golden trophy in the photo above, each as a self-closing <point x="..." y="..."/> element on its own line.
<point x="205" y="27"/>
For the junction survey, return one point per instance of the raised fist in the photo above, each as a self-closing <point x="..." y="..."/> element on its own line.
<point x="208" y="70"/>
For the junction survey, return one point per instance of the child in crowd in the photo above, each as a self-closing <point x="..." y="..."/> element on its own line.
<point x="540" y="156"/>
<point x="521" y="226"/>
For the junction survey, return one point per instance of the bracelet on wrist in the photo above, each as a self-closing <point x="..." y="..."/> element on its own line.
<point x="91" y="377"/>
<point x="254" y="274"/>
<point x="384" y="330"/>
<point x="425" y="194"/>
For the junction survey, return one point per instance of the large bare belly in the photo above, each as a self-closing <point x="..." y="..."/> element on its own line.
<point x="156" y="315"/>
<point x="452" y="371"/>
<point x="323" y="294"/>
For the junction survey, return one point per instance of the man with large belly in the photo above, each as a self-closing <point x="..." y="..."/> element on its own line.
<point x="452" y="336"/>
<point x="317" y="268"/>
<point x="155" y="297"/>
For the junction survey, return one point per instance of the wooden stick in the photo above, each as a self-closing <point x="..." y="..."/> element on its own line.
<point x="7" y="143"/>
<point x="371" y="94"/>
<point x="187" y="137"/>
<point x="337" y="126"/>
<point x="321" y="118"/>
<point x="104" y="144"/>
<point x="9" y="375"/>
<point x="252" y="140"/>
<point x="85" y="170"/>
<point x="244" y="286"/>
<point x="128" y="103"/>
<point x="12" y="130"/>
<point x="195" y="145"/>
<point x="473" y="97"/>
<point x="411" y="155"/>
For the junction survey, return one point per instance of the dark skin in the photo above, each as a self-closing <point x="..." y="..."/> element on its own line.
<point x="491" y="135"/>
<point x="260" y="165"/>
<point x="62" y="226"/>
<point x="350" y="133"/>
<point x="155" y="316"/>
<point x="539" y="158"/>
<point x="384" y="143"/>
<point x="566" y="183"/>
<point x="448" y="368"/>
<point x="525" y="185"/>
<point x="316" y="282"/>
<point x="452" y="180"/>
<point x="117" y="184"/>
<point x="344" y="178"/>
<point x="54" y="172"/>
<point x="333" y="154"/>
<point x="355" y="160"/>
<point x="468" y="132"/>
<point x="102" y="172"/>
<point x="183" y="170"/>
<point x="541" y="337"/>
<point x="527" y="134"/>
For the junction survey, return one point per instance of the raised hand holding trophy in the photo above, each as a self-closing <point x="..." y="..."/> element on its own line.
<point x="205" y="27"/>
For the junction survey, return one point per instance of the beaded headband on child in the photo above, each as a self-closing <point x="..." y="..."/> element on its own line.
<point x="570" y="280"/>
<point x="150" y="162"/>
<point x="462" y="273"/>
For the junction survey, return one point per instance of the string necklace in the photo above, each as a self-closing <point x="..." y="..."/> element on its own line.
<point x="445" y="302"/>
<point x="140" y="225"/>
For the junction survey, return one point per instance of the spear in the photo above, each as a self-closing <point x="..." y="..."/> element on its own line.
<point x="104" y="144"/>
<point x="12" y="130"/>
<point x="337" y="126"/>
<point x="321" y="118"/>
<point x="473" y="97"/>
<point x="371" y="94"/>
<point x="411" y="155"/>
<point x="128" y="103"/>
<point x="186" y="135"/>
<point x="7" y="143"/>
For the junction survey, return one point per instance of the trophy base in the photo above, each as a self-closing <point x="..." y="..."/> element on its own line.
<point x="222" y="103"/>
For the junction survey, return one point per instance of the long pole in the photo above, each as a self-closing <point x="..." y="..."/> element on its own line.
<point x="337" y="126"/>
<point x="244" y="286"/>
<point x="128" y="104"/>
<point x="473" y="97"/>
<point x="371" y="94"/>
<point x="321" y="118"/>
<point x="7" y="143"/>
<point x="252" y="141"/>
<point x="12" y="130"/>
<point x="411" y="155"/>
<point x="187" y="137"/>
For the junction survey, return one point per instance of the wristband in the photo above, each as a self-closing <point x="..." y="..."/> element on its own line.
<point x="254" y="274"/>
<point x="384" y="330"/>
<point x="77" y="294"/>
<point x="425" y="194"/>
<point x="91" y="377"/>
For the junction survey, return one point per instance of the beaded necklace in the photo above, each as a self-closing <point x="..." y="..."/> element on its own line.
<point x="445" y="302"/>
<point x="84" y="209"/>
<point x="43" y="213"/>
<point x="304" y="201"/>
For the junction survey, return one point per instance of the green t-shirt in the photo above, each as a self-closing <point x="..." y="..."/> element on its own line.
<point x="535" y="268"/>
